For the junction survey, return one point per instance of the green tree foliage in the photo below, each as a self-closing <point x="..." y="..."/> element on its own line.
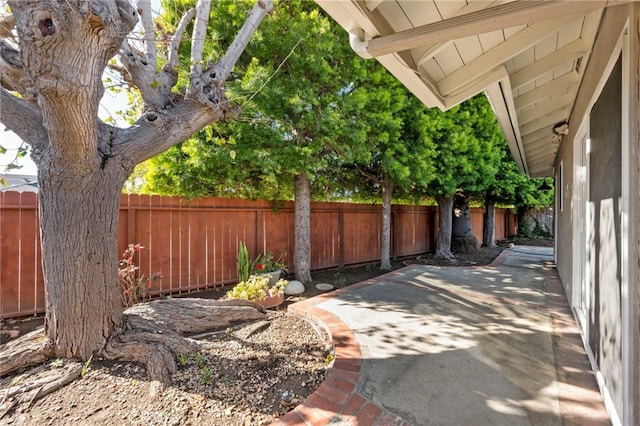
<point x="297" y="111"/>
<point x="399" y="151"/>
<point x="464" y="158"/>
<point x="464" y="137"/>
<point x="297" y="121"/>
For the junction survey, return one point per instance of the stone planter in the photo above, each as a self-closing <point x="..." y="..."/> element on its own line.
<point x="274" y="276"/>
<point x="272" y="301"/>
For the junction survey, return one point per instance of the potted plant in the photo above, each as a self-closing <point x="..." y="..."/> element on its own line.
<point x="262" y="265"/>
<point x="256" y="288"/>
<point x="266" y="265"/>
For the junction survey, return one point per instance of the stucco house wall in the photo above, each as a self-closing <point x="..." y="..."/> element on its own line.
<point x="598" y="241"/>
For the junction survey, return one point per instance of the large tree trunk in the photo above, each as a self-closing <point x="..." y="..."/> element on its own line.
<point x="79" y="182"/>
<point x="64" y="48"/>
<point x="302" y="249"/>
<point x="521" y="218"/>
<point x="445" y="210"/>
<point x="80" y="260"/>
<point x="385" y="239"/>
<point x="489" y="223"/>
<point x="464" y="241"/>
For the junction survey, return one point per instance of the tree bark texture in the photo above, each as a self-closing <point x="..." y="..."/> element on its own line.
<point x="445" y="210"/>
<point x="489" y="223"/>
<point x="82" y="291"/>
<point x="302" y="248"/>
<point x="29" y="349"/>
<point x="385" y="243"/>
<point x="463" y="239"/>
<point x="152" y="336"/>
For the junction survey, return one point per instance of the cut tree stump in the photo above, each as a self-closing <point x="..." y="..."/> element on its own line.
<point x="191" y="315"/>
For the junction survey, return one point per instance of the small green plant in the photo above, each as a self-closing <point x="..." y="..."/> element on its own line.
<point x="266" y="263"/>
<point x="260" y="265"/>
<point x="207" y="375"/>
<point x="245" y="264"/>
<point x="226" y="380"/>
<point x="183" y="359"/>
<point x="57" y="363"/>
<point x="256" y="288"/>
<point x="86" y="367"/>
<point x="328" y="360"/>
<point x="201" y="360"/>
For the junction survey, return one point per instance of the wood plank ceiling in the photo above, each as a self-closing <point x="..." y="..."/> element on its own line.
<point x="527" y="56"/>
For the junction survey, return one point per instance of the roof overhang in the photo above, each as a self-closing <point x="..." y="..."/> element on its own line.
<point x="527" y="56"/>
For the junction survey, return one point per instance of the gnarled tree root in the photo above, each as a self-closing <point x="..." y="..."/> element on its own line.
<point x="152" y="336"/>
<point x="30" y="349"/>
<point x="39" y="385"/>
<point x="441" y="255"/>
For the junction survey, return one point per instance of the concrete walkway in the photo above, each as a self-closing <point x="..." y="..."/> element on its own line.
<point x="426" y="345"/>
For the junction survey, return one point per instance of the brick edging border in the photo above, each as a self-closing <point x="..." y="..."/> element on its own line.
<point x="336" y="399"/>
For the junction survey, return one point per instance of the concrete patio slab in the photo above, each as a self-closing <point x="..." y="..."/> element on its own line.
<point x="431" y="345"/>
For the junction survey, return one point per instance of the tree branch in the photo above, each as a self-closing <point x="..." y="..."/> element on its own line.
<point x="157" y="131"/>
<point x="177" y="38"/>
<point x="143" y="75"/>
<point x="172" y="122"/>
<point x="368" y="175"/>
<point x="168" y="77"/>
<point x="12" y="75"/>
<point x="207" y="87"/>
<point x="257" y="14"/>
<point x="155" y="88"/>
<point x="22" y="118"/>
<point x="144" y="8"/>
<point x="197" y="40"/>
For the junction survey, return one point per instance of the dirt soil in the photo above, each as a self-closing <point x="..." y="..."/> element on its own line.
<point x="257" y="373"/>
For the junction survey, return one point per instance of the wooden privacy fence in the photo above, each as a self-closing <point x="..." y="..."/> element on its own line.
<point x="193" y="244"/>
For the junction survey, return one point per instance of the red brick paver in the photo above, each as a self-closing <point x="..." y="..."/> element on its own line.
<point x="336" y="400"/>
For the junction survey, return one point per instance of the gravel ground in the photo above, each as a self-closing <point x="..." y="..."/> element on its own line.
<point x="239" y="382"/>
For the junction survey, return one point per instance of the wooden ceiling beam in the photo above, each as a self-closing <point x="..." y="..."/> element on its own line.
<point x="499" y="55"/>
<point x="541" y="109"/>
<point x="372" y="4"/>
<point x="554" y="87"/>
<point x="532" y="139"/>
<point x="486" y="20"/>
<point x="546" y="121"/>
<point x="545" y="147"/>
<point x="568" y="53"/>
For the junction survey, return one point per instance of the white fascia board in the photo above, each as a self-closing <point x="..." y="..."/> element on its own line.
<point x="500" y="98"/>
<point x="412" y="81"/>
